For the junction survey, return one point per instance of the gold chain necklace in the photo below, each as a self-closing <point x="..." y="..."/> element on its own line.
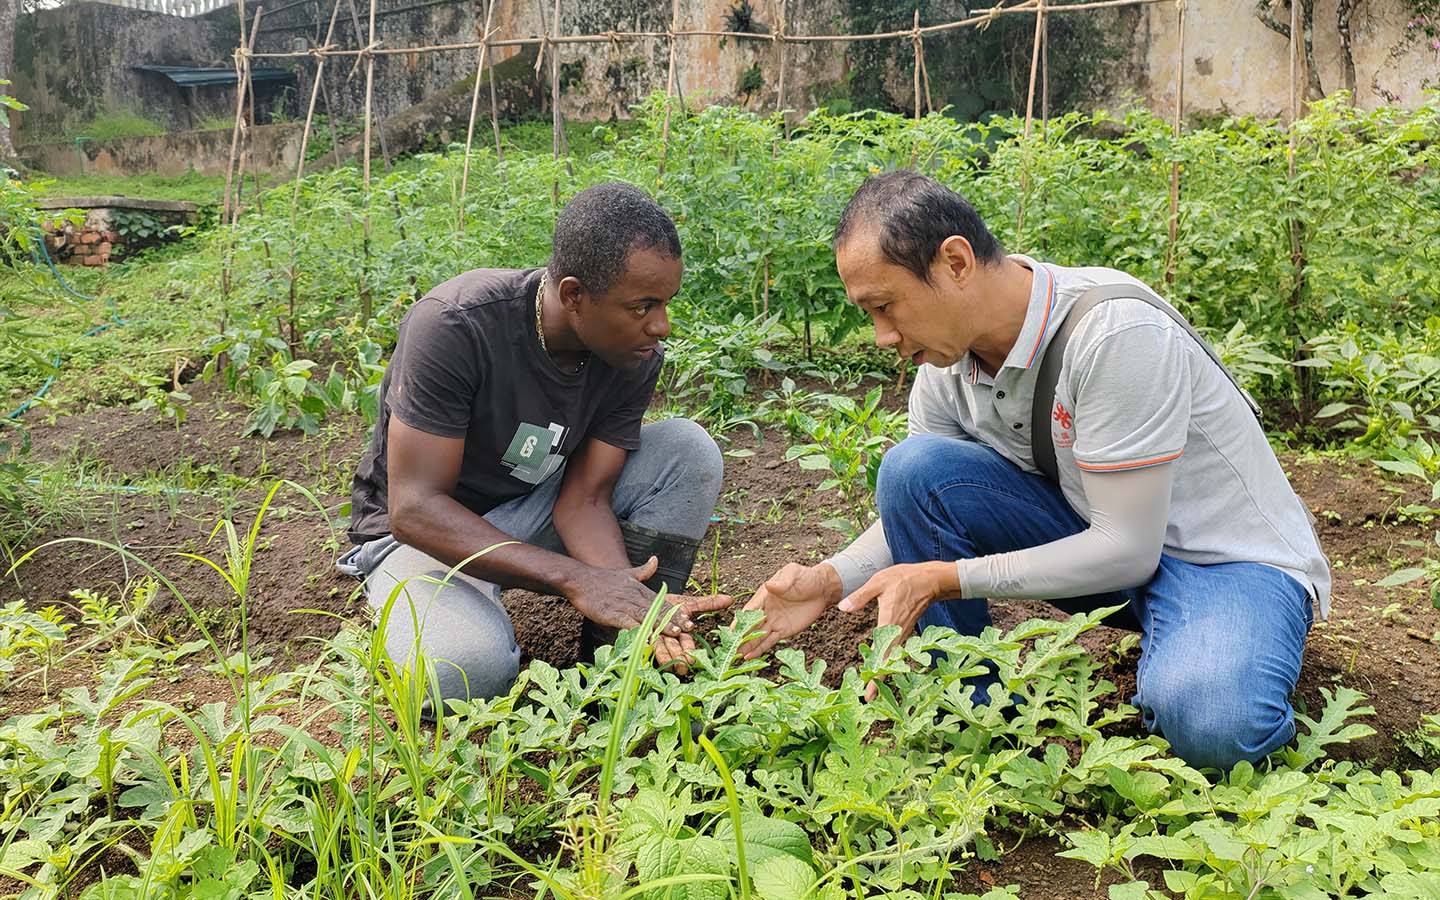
<point x="539" y="296"/>
<point x="540" y="327"/>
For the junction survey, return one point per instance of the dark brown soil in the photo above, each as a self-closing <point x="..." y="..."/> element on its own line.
<point x="1031" y="863"/>
<point x="1379" y="641"/>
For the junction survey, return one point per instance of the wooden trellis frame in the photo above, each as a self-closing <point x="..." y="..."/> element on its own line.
<point x="486" y="43"/>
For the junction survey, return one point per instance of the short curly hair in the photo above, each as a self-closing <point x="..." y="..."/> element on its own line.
<point x="600" y="227"/>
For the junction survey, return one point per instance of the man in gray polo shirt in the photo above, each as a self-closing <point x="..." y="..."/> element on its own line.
<point x="1169" y="499"/>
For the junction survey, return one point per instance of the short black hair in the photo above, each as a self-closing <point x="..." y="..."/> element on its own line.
<point x="601" y="226"/>
<point x="914" y="214"/>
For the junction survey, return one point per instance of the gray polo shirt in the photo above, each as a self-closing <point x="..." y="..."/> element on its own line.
<point x="1134" y="390"/>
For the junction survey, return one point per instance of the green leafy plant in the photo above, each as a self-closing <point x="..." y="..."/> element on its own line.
<point x="707" y="369"/>
<point x="847" y="440"/>
<point x="1397" y="377"/>
<point x="7" y="103"/>
<point x="167" y="404"/>
<point x="138" y="226"/>
<point x="28" y="633"/>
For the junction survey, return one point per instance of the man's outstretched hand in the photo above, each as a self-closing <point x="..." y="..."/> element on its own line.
<point x="617" y="598"/>
<point x="901" y="593"/>
<point x="791" y="599"/>
<point x="674" y="652"/>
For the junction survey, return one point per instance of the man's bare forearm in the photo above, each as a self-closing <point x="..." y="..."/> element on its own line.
<point x="591" y="534"/>
<point x="442" y="527"/>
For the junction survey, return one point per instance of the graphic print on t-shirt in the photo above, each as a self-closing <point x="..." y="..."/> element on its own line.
<point x="528" y="457"/>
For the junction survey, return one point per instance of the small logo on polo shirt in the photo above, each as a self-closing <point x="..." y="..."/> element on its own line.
<point x="1064" y="435"/>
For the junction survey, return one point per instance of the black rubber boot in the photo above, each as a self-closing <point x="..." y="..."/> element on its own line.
<point x="676" y="556"/>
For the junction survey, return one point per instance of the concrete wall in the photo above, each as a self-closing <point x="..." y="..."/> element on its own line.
<point x="1234" y="63"/>
<point x="603" y="79"/>
<point x="276" y="150"/>
<point x="74" y="63"/>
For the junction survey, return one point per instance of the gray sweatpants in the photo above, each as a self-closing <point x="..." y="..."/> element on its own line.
<point x="669" y="485"/>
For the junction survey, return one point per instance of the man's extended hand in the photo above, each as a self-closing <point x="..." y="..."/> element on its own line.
<point x="617" y="598"/>
<point x="901" y="594"/>
<point x="674" y="652"/>
<point x="792" y="599"/>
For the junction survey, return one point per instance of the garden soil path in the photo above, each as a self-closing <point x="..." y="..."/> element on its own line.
<point x="1380" y="641"/>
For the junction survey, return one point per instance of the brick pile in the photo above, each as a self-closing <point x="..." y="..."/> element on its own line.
<point x="86" y="244"/>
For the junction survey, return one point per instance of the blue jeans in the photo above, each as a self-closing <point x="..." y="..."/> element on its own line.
<point x="1220" y="645"/>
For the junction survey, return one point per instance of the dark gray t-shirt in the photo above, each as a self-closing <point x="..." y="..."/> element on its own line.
<point x="468" y="364"/>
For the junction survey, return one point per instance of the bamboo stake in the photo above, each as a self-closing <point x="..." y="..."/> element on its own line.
<point x="245" y="156"/>
<point x="780" y="63"/>
<point x="367" y="302"/>
<point x="1174" y="231"/>
<point x="355" y="22"/>
<point x="474" y="107"/>
<point x="669" y="87"/>
<point x="1045" y="79"/>
<point x="774" y="153"/>
<point x="300" y="173"/>
<point x="918" y="44"/>
<point x="925" y="80"/>
<point x="915" y="41"/>
<point x="1030" y="115"/>
<point x="240" y="55"/>
<point x="247" y="136"/>
<point x="230" y="211"/>
<point x="559" y="113"/>
<point x="765" y="288"/>
<point x="1304" y="380"/>
<point x="555" y="106"/>
<point x="494" y="103"/>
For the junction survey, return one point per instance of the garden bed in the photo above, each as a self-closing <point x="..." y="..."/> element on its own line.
<point x="1380" y="641"/>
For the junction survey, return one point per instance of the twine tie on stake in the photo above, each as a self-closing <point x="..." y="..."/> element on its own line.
<point x="545" y="43"/>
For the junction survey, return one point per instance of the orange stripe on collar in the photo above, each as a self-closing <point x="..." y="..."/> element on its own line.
<point x="1044" y="325"/>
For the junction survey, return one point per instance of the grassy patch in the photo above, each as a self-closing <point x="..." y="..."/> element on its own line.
<point x="191" y="186"/>
<point x="120" y="124"/>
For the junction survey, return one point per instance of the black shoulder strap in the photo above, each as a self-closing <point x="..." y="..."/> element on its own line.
<point x="1042" y="447"/>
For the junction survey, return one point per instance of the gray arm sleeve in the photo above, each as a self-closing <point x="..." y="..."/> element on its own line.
<point x="1129" y="512"/>
<point x="865" y="556"/>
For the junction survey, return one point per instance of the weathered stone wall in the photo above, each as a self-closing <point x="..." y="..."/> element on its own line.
<point x="601" y="80"/>
<point x="75" y="62"/>
<point x="1234" y="63"/>
<point x="276" y="150"/>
